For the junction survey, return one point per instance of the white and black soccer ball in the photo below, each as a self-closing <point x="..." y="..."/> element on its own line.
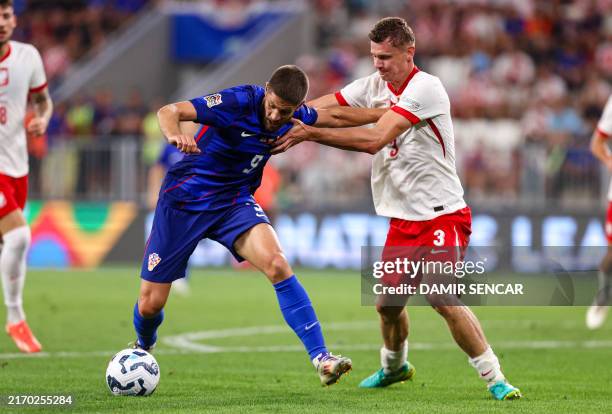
<point x="132" y="372"/>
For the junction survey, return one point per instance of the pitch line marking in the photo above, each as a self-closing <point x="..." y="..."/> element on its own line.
<point x="185" y="343"/>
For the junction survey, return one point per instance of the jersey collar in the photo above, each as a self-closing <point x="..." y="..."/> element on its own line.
<point x="7" y="54"/>
<point x="415" y="69"/>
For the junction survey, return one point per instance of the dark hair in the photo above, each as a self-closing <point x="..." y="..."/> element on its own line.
<point x="393" y="28"/>
<point x="6" y="3"/>
<point x="289" y="83"/>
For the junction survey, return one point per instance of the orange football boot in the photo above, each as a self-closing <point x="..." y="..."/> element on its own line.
<point x="23" y="337"/>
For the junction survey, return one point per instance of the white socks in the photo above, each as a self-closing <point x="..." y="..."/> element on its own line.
<point x="12" y="270"/>
<point x="487" y="366"/>
<point x="391" y="361"/>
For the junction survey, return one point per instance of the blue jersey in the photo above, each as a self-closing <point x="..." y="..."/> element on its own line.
<point x="235" y="147"/>
<point x="169" y="156"/>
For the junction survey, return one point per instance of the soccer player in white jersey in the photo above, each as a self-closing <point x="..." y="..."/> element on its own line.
<point x="596" y="315"/>
<point x="22" y="76"/>
<point x="414" y="182"/>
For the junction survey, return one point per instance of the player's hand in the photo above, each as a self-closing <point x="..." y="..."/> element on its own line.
<point x="36" y="127"/>
<point x="297" y="134"/>
<point x="185" y="144"/>
<point x="609" y="163"/>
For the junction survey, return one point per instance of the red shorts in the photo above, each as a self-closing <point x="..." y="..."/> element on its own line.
<point x="442" y="239"/>
<point x="609" y="223"/>
<point x="449" y="230"/>
<point x="13" y="193"/>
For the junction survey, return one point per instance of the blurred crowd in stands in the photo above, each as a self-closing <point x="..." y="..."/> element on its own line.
<point x="64" y="31"/>
<point x="527" y="81"/>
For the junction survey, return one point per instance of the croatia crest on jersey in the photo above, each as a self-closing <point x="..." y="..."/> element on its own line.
<point x="154" y="260"/>
<point x="213" y="100"/>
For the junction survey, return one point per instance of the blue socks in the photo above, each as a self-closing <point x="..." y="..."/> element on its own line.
<point x="300" y="315"/>
<point x="294" y="304"/>
<point x="146" y="329"/>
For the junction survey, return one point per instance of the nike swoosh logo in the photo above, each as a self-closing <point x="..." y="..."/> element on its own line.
<point x="244" y="134"/>
<point x="484" y="374"/>
<point x="307" y="327"/>
<point x="434" y="251"/>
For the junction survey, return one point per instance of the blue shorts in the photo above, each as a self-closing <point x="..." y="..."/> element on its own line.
<point x="176" y="233"/>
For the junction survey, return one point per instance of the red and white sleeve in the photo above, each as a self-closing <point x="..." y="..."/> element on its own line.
<point x="422" y="100"/>
<point x="38" y="80"/>
<point x="604" y="126"/>
<point x="355" y="93"/>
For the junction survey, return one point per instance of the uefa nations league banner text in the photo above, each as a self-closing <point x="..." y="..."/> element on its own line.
<point x="91" y="234"/>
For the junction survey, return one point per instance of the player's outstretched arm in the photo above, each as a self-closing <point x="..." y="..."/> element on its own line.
<point x="370" y="140"/>
<point x="43" y="108"/>
<point x="345" y="116"/>
<point x="170" y="117"/>
<point x="323" y="102"/>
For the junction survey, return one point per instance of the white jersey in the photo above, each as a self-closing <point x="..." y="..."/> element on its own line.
<point x="21" y="72"/>
<point x="604" y="127"/>
<point x="414" y="177"/>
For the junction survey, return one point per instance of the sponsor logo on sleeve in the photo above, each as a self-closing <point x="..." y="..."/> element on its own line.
<point x="410" y="104"/>
<point x="213" y="100"/>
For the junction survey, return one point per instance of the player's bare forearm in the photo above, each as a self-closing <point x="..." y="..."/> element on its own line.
<point x="42" y="105"/>
<point x="323" y="102"/>
<point x="352" y="139"/>
<point x="370" y="140"/>
<point x="344" y="116"/>
<point x="189" y="128"/>
<point x="170" y="118"/>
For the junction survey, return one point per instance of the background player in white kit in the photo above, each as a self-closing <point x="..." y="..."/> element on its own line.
<point x="596" y="315"/>
<point x="22" y="76"/>
<point x="414" y="182"/>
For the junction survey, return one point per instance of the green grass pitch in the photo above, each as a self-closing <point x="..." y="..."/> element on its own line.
<point x="82" y="318"/>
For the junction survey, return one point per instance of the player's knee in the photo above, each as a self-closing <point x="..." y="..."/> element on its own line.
<point x="17" y="239"/>
<point x="149" y="309"/>
<point x="389" y="314"/>
<point x="443" y="303"/>
<point x="277" y="268"/>
<point x="150" y="305"/>
<point x="447" y="311"/>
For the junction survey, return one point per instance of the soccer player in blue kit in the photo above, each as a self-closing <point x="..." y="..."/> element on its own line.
<point x="209" y="194"/>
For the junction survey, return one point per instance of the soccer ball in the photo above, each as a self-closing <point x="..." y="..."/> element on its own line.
<point x="132" y="372"/>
